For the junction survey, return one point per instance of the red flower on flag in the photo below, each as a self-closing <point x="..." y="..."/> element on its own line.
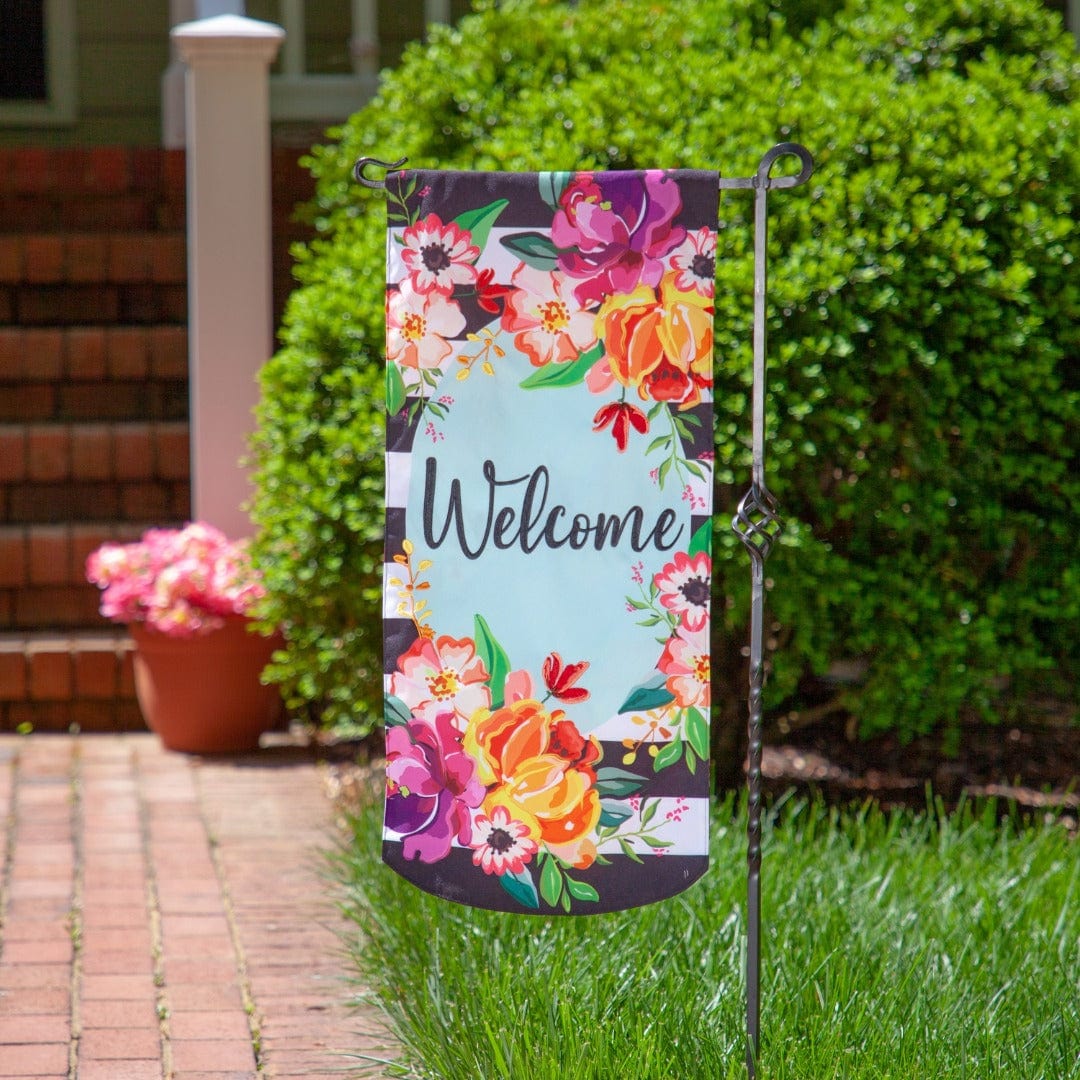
<point x="487" y="292"/>
<point x="560" y="679"/>
<point x="621" y="415"/>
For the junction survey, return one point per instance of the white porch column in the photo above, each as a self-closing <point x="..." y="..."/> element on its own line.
<point x="436" y="11"/>
<point x="172" y="82"/>
<point x="230" y="315"/>
<point x="364" y="45"/>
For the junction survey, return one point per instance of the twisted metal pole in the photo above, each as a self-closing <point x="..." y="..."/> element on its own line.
<point x="757" y="524"/>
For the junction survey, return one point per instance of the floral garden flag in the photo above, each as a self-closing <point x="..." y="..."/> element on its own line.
<point x="548" y="489"/>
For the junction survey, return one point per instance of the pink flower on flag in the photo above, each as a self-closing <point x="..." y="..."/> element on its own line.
<point x="440" y="676"/>
<point x="694" y="261"/>
<point x="501" y="845"/>
<point x="684" y="588"/>
<point x="439" y="256"/>
<point x="613" y="231"/>
<point x="417" y="327"/>
<point x="432" y="786"/>
<point x="549" y="324"/>
<point x="518" y="687"/>
<point x="685" y="661"/>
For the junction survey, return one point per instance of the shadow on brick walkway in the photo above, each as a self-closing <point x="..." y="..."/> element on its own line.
<point x="164" y="916"/>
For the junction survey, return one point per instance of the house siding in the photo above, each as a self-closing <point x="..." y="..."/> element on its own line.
<point x="122" y="57"/>
<point x="119" y="67"/>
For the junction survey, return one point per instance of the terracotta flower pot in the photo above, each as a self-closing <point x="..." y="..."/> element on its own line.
<point x="202" y="694"/>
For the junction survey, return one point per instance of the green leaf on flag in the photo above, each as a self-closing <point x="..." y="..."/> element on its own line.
<point x="617" y="783"/>
<point x="697" y="732"/>
<point x="395" y="712"/>
<point x="478" y="222"/>
<point x="520" y="886"/>
<point x="579" y="890"/>
<point x="552" y="185"/>
<point x="651" y="694"/>
<point x="654" y="842"/>
<point x="669" y="755"/>
<point x="495" y="660"/>
<point x="551" y="882"/>
<point x="665" y="468"/>
<point x="613" y="813"/>
<point x="395" y="389"/>
<point x="533" y="249"/>
<point x="555" y="375"/>
<point x="701" y="540"/>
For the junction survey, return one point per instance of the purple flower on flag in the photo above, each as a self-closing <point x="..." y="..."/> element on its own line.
<point x="432" y="786"/>
<point x="613" y="231"/>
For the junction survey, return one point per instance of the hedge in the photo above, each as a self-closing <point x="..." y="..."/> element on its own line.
<point x="923" y="332"/>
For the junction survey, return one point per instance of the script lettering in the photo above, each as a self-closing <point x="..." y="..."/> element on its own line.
<point x="529" y="522"/>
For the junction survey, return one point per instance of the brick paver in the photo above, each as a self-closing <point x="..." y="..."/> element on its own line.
<point x="165" y="916"/>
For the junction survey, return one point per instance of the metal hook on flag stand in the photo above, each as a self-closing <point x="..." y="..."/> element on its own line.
<point x="757" y="524"/>
<point x="362" y="164"/>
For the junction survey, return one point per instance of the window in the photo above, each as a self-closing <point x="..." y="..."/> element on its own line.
<point x="37" y="62"/>
<point x="22" y="50"/>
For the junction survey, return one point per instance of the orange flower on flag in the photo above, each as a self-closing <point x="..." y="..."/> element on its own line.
<point x="539" y="768"/>
<point x="660" y="346"/>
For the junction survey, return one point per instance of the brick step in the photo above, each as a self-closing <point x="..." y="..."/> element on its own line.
<point x="95" y="304"/>
<point x="54" y="608"/>
<point x="91" y="213"/>
<point x="98" y="188"/>
<point x="86" y="373"/>
<point x="127" y="452"/>
<point x="53" y="554"/>
<point x="92" y="258"/>
<point x="86" y="402"/>
<point x="51" y="682"/>
<point x="82" y="501"/>
<point x="93" y="353"/>
<point x="133" y="472"/>
<point x="43" y="583"/>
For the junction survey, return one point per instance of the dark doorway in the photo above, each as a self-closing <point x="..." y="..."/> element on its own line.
<point x="22" y="50"/>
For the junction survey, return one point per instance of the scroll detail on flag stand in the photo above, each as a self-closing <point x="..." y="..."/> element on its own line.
<point x="548" y="535"/>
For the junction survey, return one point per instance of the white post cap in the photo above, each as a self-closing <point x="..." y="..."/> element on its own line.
<point x="227" y="38"/>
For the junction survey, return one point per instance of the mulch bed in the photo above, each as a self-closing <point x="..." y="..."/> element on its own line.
<point x="1035" y="767"/>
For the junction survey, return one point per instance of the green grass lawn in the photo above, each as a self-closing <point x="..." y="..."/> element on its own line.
<point x="901" y="946"/>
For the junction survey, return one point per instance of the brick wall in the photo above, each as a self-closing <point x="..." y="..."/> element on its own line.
<point x="93" y="405"/>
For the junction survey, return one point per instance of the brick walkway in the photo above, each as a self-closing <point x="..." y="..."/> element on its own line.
<point x="163" y="916"/>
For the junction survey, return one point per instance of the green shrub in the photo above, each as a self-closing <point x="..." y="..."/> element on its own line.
<point x="923" y="328"/>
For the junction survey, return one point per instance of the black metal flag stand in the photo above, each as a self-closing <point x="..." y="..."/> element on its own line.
<point x="757" y="524"/>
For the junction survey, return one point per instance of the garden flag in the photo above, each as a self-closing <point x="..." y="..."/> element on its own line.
<point x="549" y="492"/>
